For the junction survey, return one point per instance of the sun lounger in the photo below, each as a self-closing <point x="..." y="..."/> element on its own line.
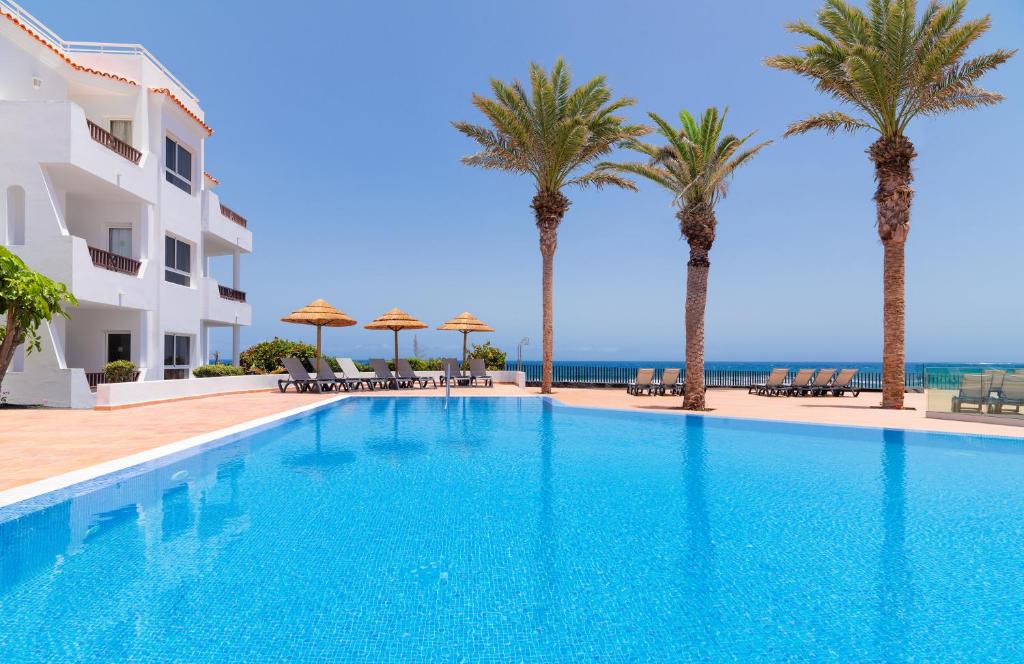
<point x="324" y="372"/>
<point x="380" y="367"/>
<point x="975" y="390"/>
<point x="842" y="384"/>
<point x="644" y="381"/>
<point x="300" y="378"/>
<point x="669" y="383"/>
<point x="451" y="367"/>
<point x="478" y="372"/>
<point x="356" y="378"/>
<point x="1011" y="394"/>
<point x="775" y="382"/>
<point x="996" y="377"/>
<point x="820" y="383"/>
<point x="801" y="381"/>
<point x="405" y="371"/>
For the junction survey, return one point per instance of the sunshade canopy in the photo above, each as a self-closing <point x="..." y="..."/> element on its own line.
<point x="396" y="319"/>
<point x="466" y="322"/>
<point x="321" y="314"/>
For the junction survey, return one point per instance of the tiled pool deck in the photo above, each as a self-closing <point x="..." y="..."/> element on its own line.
<point x="36" y="444"/>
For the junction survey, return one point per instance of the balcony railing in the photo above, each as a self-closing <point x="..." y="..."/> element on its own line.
<point x="233" y="216"/>
<point x="114" y="262"/>
<point x="111" y="142"/>
<point x="231" y="294"/>
<point x="99" y="378"/>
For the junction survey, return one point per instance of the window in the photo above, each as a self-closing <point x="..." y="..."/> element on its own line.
<point x="122" y="130"/>
<point x="177" y="261"/>
<point x="178" y="161"/>
<point x="119" y="241"/>
<point x="177" y="354"/>
<point x="119" y="346"/>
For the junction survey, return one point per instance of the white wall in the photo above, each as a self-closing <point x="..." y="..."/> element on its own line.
<point x="86" y="341"/>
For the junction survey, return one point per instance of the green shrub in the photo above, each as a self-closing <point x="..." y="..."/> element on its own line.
<point x="119" y="371"/>
<point x="492" y="356"/>
<point x="217" y="370"/>
<point x="266" y="355"/>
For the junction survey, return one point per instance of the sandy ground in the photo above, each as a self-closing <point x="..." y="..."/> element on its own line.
<point x="40" y="443"/>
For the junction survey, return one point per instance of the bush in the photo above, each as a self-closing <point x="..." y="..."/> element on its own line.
<point x="266" y="356"/>
<point x="492" y="356"/>
<point x="217" y="370"/>
<point x="119" y="371"/>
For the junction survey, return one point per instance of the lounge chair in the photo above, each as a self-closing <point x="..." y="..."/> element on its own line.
<point x="300" y="378"/>
<point x="355" y="376"/>
<point x="405" y="371"/>
<point x="478" y="372"/>
<point x="842" y="384"/>
<point x="380" y="367"/>
<point x="821" y="381"/>
<point x="801" y="381"/>
<point x="451" y="367"/>
<point x="996" y="376"/>
<point x="324" y="372"/>
<point x="1011" y="394"/>
<point x="644" y="381"/>
<point x="975" y="390"/>
<point x="669" y="383"/>
<point x="771" y="386"/>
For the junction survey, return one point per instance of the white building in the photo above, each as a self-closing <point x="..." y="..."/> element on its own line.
<point x="103" y="188"/>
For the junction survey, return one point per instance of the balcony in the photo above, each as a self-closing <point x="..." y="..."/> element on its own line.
<point x="233" y="216"/>
<point x="95" y="378"/>
<point x="116" y="262"/>
<point x="112" y="143"/>
<point x="231" y="294"/>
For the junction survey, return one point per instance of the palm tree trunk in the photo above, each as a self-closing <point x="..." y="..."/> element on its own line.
<point x="549" y="207"/>
<point x="697" y="224"/>
<point x="892" y="157"/>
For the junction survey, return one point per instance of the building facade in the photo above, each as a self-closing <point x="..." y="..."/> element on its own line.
<point x="103" y="188"/>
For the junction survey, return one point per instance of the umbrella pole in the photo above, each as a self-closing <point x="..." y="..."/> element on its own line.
<point x="317" y="367"/>
<point x="465" y="337"/>
<point x="396" y="352"/>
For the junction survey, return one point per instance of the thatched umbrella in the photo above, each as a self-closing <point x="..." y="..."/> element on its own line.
<point x="320" y="314"/>
<point x="395" y="320"/>
<point x="466" y="323"/>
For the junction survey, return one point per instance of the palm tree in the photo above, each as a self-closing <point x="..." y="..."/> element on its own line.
<point x="695" y="165"/>
<point x="892" y="67"/>
<point x="553" y="134"/>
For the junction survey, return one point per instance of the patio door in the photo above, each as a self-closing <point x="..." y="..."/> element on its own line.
<point x="119" y="346"/>
<point x="119" y="241"/>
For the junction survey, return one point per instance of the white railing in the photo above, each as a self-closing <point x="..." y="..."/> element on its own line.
<point x="40" y="28"/>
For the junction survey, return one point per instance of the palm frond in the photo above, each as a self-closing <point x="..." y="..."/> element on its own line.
<point x="831" y="122"/>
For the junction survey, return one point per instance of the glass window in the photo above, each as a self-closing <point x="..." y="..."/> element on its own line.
<point x="119" y="241"/>
<point x="122" y="130"/>
<point x="119" y="346"/>
<point x="178" y="163"/>
<point x="177" y="349"/>
<point x="177" y="261"/>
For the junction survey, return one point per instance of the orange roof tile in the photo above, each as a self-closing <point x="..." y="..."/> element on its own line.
<point x="170" y="95"/>
<point x="71" y="63"/>
<point x="211" y="178"/>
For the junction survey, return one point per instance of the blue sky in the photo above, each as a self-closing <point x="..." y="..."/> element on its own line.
<point x="333" y="138"/>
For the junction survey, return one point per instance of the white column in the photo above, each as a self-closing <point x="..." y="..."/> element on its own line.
<point x="236" y="338"/>
<point x="236" y="270"/>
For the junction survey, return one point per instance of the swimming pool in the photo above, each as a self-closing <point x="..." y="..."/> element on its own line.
<point x="503" y="529"/>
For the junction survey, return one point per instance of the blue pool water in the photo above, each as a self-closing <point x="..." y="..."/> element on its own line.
<point x="382" y="530"/>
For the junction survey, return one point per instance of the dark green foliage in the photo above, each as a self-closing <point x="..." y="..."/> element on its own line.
<point x="119" y="371"/>
<point x="493" y="356"/>
<point x="217" y="370"/>
<point x="266" y="356"/>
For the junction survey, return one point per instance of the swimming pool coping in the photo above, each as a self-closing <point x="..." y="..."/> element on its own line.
<point x="68" y="480"/>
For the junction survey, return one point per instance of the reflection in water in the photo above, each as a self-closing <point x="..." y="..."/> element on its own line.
<point x="318" y="461"/>
<point x="546" y="545"/>
<point x="699" y="557"/>
<point x="385" y="439"/>
<point x="215" y="516"/>
<point x="177" y="513"/>
<point x="895" y="591"/>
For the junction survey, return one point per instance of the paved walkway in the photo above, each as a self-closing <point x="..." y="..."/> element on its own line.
<point x="40" y="443"/>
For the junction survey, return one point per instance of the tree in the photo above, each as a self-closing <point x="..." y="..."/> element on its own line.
<point x="552" y="134"/>
<point x="891" y="67"/>
<point x="27" y="300"/>
<point x="695" y="165"/>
